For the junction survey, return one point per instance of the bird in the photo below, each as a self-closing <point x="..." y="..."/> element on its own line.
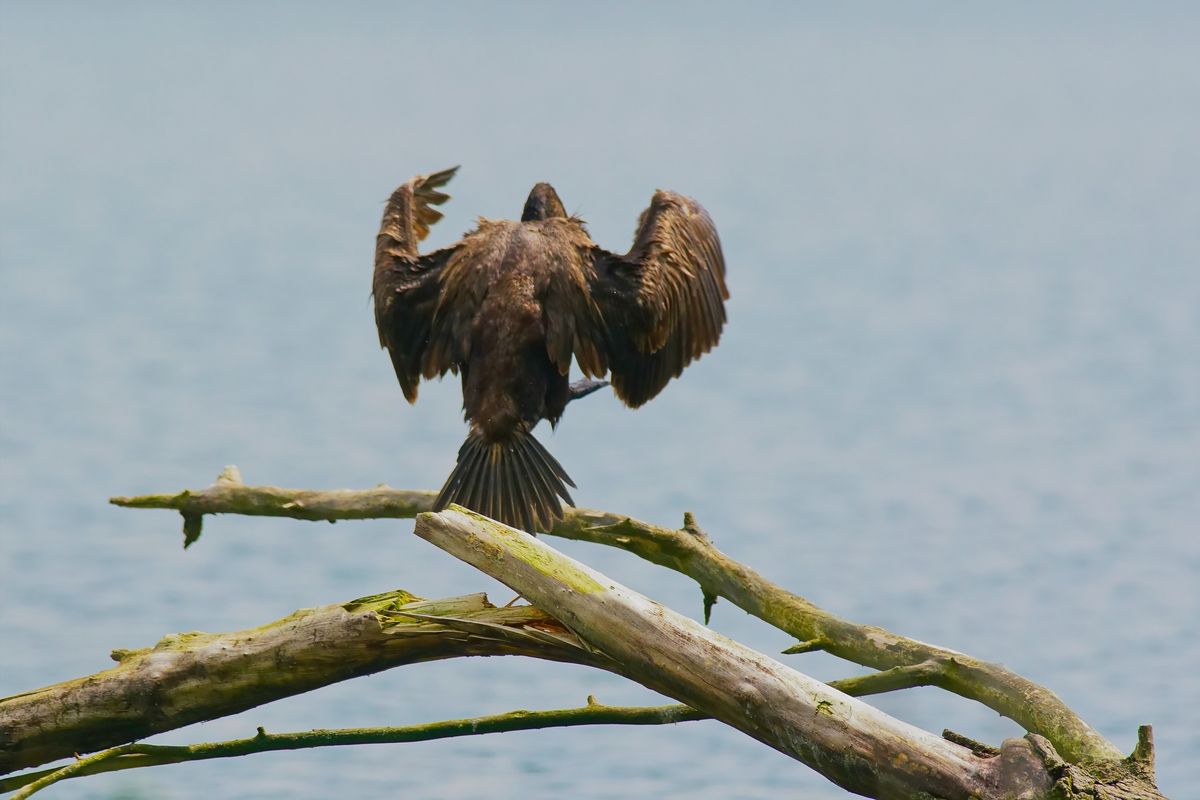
<point x="508" y="307"/>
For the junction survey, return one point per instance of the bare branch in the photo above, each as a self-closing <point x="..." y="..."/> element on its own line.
<point x="229" y="496"/>
<point x="1034" y="707"/>
<point x="853" y="744"/>
<point x="690" y="552"/>
<point x="133" y="756"/>
<point x="890" y="680"/>
<point x="192" y="677"/>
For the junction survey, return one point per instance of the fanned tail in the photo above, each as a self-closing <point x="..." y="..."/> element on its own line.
<point x="516" y="482"/>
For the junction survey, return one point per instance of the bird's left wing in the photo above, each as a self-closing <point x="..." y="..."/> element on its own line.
<point x="662" y="304"/>
<point x="406" y="285"/>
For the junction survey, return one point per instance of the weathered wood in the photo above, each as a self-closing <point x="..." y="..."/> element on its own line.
<point x="853" y="744"/>
<point x="191" y="677"/>
<point x="228" y="495"/>
<point x="690" y="552"/>
<point x="1087" y="760"/>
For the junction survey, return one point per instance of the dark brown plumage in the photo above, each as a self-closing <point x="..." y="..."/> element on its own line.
<point x="509" y="305"/>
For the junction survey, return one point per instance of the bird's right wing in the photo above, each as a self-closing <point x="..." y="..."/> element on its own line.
<point x="406" y="285"/>
<point x="409" y="214"/>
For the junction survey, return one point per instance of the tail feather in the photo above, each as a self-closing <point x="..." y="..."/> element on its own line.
<point x="479" y="495"/>
<point x="513" y="508"/>
<point x="544" y="495"/>
<point x="489" y="479"/>
<point x="461" y="480"/>
<point x="550" y="463"/>
<point x="504" y="499"/>
<point x="516" y="482"/>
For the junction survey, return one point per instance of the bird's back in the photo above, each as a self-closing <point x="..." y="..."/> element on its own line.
<point x="513" y="290"/>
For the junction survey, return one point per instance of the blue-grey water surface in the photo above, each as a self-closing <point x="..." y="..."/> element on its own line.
<point x="959" y="393"/>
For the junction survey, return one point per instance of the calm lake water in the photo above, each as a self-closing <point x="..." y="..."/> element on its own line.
<point x="959" y="394"/>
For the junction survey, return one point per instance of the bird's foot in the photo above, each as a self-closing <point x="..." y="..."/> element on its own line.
<point x="583" y="388"/>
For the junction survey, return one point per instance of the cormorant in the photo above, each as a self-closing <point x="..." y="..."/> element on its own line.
<point x="510" y="304"/>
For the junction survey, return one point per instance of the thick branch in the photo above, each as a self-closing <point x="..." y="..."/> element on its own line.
<point x="690" y="552"/>
<point x="133" y="756"/>
<point x="191" y="677"/>
<point x="853" y="744"/>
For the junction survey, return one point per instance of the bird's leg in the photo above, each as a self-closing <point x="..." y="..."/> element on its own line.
<point x="583" y="388"/>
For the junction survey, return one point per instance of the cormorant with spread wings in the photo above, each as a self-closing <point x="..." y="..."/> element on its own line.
<point x="509" y="305"/>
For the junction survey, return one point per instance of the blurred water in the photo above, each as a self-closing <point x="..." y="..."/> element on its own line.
<point x="958" y="396"/>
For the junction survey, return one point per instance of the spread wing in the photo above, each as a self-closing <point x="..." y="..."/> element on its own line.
<point x="662" y="304"/>
<point x="406" y="284"/>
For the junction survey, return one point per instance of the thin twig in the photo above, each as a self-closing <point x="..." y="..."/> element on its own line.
<point x="133" y="756"/>
<point x="78" y="767"/>
<point x="926" y="673"/>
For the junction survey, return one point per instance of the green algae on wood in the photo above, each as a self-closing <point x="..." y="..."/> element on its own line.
<point x="517" y="544"/>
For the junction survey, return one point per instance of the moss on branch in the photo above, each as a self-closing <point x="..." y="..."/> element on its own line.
<point x="192" y="677"/>
<point x="690" y="552"/>
<point x="133" y="756"/>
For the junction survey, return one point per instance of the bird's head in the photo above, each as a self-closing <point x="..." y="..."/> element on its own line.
<point x="543" y="203"/>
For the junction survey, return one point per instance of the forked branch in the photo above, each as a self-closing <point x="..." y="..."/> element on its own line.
<point x="690" y="552"/>
<point x="596" y="622"/>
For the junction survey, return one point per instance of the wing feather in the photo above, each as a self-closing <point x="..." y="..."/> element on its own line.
<point x="662" y="304"/>
<point x="405" y="284"/>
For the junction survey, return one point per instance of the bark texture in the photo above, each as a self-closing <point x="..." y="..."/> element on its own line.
<point x="851" y="743"/>
<point x="1062" y="757"/>
<point x="690" y="552"/>
<point x="191" y="677"/>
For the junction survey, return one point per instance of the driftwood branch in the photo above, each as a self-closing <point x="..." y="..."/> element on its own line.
<point x="690" y="552"/>
<point x="134" y="756"/>
<point x="851" y="743"/>
<point x="192" y="677"/>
